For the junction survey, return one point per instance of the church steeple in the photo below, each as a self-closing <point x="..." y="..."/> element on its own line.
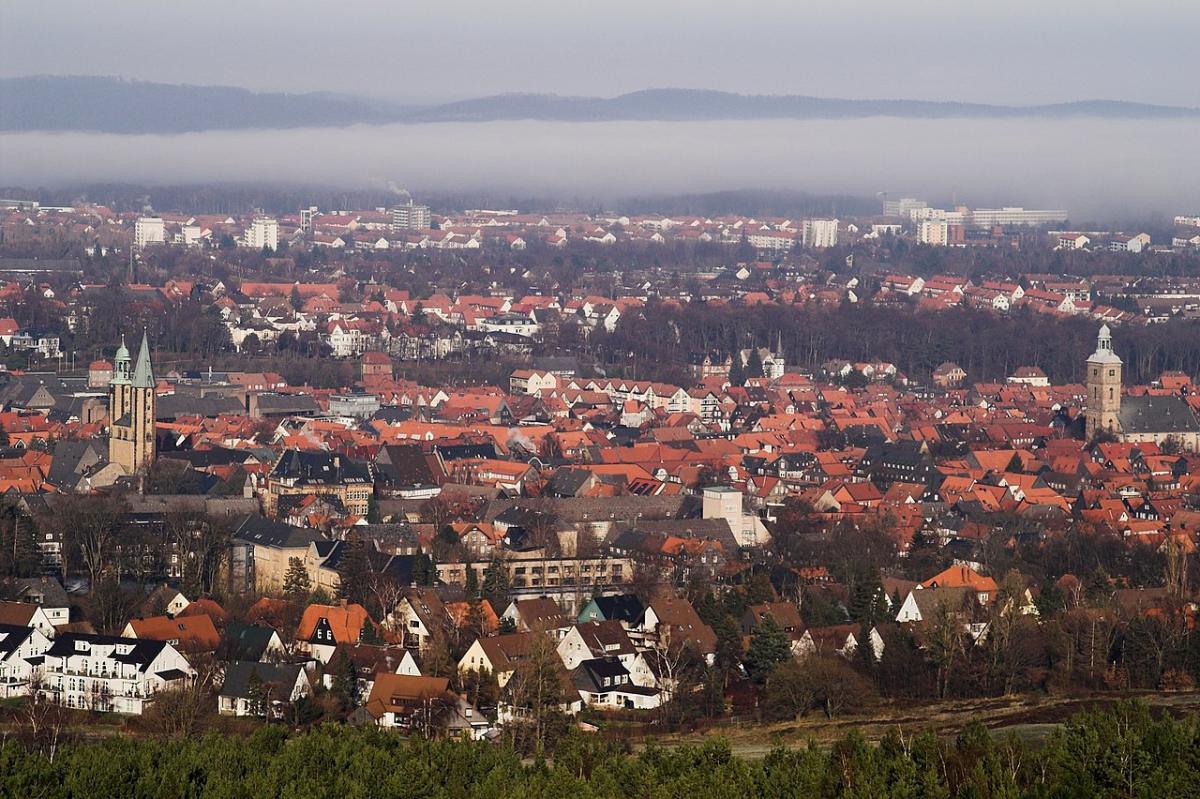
<point x="1103" y="387"/>
<point x="143" y="373"/>
<point x="131" y="410"/>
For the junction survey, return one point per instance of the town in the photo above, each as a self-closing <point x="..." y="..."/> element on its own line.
<point x="490" y="474"/>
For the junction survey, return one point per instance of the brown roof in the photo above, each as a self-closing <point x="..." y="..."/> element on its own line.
<point x="17" y="613"/>
<point x="505" y="651"/>
<point x="680" y="618"/>
<point x="540" y="613"/>
<point x="402" y="693"/>
<point x="194" y="633"/>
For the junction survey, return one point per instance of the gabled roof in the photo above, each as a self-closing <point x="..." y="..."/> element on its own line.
<point x="345" y="622"/>
<point x="280" y="677"/>
<point x="194" y="633"/>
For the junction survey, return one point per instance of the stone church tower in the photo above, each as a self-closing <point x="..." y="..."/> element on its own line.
<point x="131" y="406"/>
<point x="1103" y="387"/>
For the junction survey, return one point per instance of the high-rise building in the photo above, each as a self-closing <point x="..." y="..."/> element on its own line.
<point x="933" y="232"/>
<point x="411" y="217"/>
<point x="820" y="232"/>
<point x="149" y="230"/>
<point x="1103" y="387"/>
<point x="131" y="406"/>
<point x="262" y="232"/>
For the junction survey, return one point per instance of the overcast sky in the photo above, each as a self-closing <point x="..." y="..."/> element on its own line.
<point x="1006" y="51"/>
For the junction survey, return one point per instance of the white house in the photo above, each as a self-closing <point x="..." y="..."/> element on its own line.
<point x="27" y="614"/>
<point x="251" y="688"/>
<point x="111" y="674"/>
<point x="21" y="649"/>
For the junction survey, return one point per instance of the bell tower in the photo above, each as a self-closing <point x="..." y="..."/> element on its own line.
<point x="1103" y="387"/>
<point x="131" y="410"/>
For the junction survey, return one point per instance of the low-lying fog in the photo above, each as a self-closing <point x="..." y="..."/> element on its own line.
<point x="1098" y="169"/>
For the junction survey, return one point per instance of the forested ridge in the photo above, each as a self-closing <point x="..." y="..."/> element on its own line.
<point x="1122" y="751"/>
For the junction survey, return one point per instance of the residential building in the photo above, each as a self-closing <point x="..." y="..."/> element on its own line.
<point x="262" y="233"/>
<point x="110" y="673"/>
<point x="149" y="230"/>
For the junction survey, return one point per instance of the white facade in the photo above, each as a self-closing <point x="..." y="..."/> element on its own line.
<point x="721" y="502"/>
<point x="411" y="217"/>
<point x="262" y="232"/>
<point x="902" y="207"/>
<point x="111" y="674"/>
<point x="20" y="647"/>
<point x="149" y="230"/>
<point x="820" y="233"/>
<point x="990" y="217"/>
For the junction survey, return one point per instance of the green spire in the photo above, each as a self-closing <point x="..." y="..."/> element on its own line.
<point x="143" y="373"/>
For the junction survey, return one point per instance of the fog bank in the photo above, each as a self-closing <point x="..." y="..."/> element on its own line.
<point x="1097" y="169"/>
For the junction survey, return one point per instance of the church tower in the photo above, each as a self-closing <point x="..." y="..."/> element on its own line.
<point x="1103" y="387"/>
<point x="131" y="407"/>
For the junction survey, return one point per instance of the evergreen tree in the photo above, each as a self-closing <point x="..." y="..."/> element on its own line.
<point x="296" y="584"/>
<point x="369" y="635"/>
<point x="737" y="371"/>
<point x="472" y="586"/>
<point x="754" y="364"/>
<point x="355" y="573"/>
<point x="373" y="516"/>
<point x="769" y="645"/>
<point x="759" y="589"/>
<point x="256" y="695"/>
<point x="496" y="585"/>
<point x="868" y="604"/>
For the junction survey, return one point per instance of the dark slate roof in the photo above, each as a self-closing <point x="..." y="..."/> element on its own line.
<point x="45" y="591"/>
<point x="457" y="452"/>
<point x="172" y="406"/>
<point x="201" y="458"/>
<point x="620" y="607"/>
<point x="142" y="654"/>
<point x="258" y="529"/>
<point x="67" y="465"/>
<point x="287" y="403"/>
<point x="319" y="468"/>
<point x="11" y="637"/>
<point x="589" y="675"/>
<point x="568" y="482"/>
<point x="405" y="465"/>
<point x="239" y="672"/>
<point x="1157" y="414"/>
<point x="589" y="509"/>
<point x="247" y="641"/>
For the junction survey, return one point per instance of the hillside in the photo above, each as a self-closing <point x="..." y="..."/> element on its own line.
<point x="113" y="105"/>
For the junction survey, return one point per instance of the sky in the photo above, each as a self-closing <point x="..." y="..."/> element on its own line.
<point x="1001" y="51"/>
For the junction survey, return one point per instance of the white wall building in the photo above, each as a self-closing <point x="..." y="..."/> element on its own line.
<point x="262" y="232"/>
<point x="1004" y="217"/>
<point x="111" y="674"/>
<point x="149" y="230"/>
<point x="820" y="233"/>
<point x="411" y="217"/>
<point x="20" y="651"/>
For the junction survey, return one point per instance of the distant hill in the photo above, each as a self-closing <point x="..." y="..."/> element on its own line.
<point x="114" y="105"/>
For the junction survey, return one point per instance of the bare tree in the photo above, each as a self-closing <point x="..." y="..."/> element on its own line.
<point x="89" y="526"/>
<point x="42" y="719"/>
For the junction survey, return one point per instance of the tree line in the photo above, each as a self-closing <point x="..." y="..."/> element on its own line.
<point x="1122" y="751"/>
